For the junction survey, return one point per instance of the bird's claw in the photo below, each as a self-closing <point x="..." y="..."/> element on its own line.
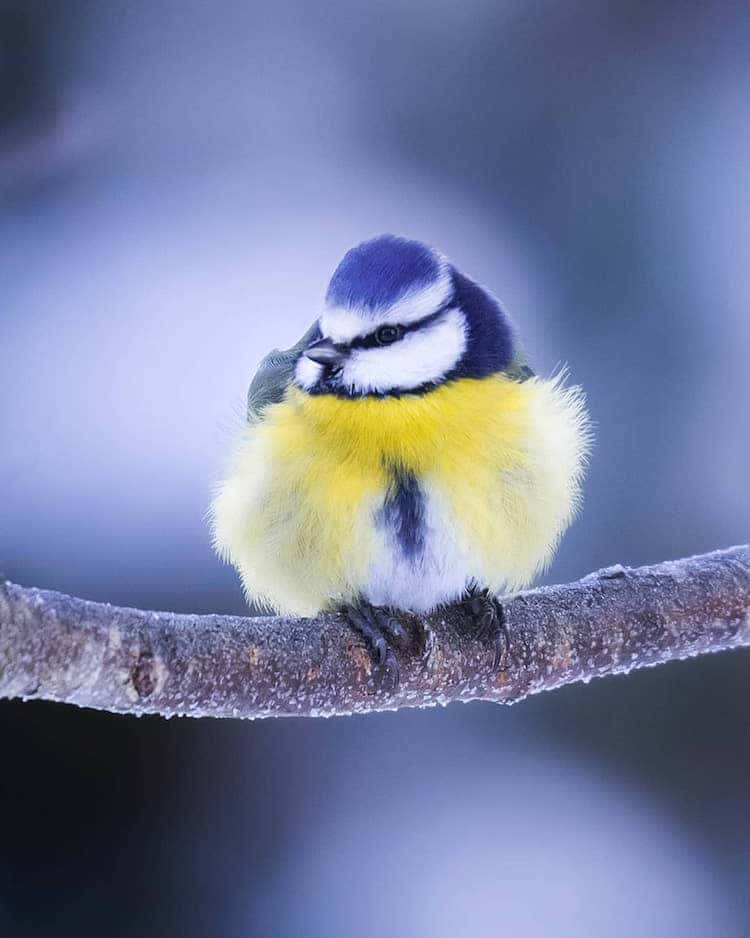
<point x="396" y="632"/>
<point x="489" y="614"/>
<point x="390" y="672"/>
<point x="380" y="649"/>
<point x="380" y="630"/>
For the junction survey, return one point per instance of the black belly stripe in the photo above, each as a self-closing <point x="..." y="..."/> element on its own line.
<point x="403" y="512"/>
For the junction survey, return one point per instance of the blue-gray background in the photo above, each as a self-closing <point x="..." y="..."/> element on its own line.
<point x="177" y="182"/>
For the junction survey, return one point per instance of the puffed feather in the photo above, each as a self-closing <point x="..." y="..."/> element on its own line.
<point x="499" y="463"/>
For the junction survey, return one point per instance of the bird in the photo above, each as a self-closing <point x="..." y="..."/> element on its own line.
<point x="402" y="456"/>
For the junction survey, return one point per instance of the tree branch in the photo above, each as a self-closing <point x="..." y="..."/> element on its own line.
<point x="57" y="647"/>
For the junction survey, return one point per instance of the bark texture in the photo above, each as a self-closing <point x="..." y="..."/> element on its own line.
<point x="58" y="647"/>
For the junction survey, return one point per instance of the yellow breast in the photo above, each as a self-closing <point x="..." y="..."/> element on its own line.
<point x="500" y="461"/>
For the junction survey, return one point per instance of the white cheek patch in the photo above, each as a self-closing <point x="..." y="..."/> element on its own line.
<point x="343" y="325"/>
<point x="307" y="372"/>
<point x="421" y="357"/>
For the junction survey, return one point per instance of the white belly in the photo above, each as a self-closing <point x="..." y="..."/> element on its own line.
<point x="419" y="576"/>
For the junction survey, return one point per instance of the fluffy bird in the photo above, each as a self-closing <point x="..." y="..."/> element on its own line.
<point x="402" y="455"/>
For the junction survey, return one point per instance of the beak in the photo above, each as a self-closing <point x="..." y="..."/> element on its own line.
<point x="324" y="352"/>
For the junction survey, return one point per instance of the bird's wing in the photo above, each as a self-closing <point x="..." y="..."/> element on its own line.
<point x="275" y="374"/>
<point x="518" y="369"/>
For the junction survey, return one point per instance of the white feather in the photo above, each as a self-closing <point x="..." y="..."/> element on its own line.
<point x="438" y="575"/>
<point x="421" y="357"/>
<point x="307" y="372"/>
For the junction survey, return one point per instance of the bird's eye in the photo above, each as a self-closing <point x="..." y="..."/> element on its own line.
<point x="387" y="334"/>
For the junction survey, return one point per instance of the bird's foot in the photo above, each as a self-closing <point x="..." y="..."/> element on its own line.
<point x="489" y="618"/>
<point x="383" y="634"/>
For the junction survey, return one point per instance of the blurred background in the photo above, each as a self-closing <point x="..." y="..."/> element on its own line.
<point x="177" y="182"/>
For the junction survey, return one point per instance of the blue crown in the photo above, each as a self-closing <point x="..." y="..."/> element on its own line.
<point x="375" y="274"/>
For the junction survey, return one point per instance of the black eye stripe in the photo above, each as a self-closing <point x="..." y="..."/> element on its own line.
<point x="371" y="340"/>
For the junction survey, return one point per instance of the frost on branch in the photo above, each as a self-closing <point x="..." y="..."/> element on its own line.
<point x="58" y="647"/>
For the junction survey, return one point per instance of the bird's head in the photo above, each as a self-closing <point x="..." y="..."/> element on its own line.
<point x="399" y="318"/>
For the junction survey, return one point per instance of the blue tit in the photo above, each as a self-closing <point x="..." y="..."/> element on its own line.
<point x="402" y="453"/>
